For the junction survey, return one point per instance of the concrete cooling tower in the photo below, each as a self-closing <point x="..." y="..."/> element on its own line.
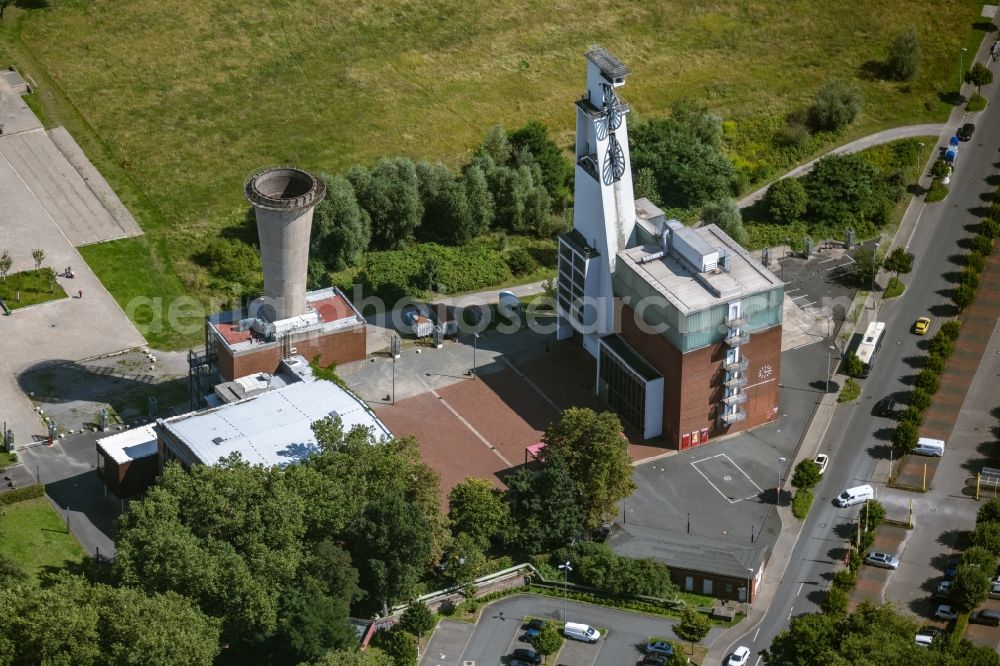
<point x="283" y="199"/>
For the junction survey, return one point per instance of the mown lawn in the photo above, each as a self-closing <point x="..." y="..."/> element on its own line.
<point x="32" y="287"/>
<point x="176" y="101"/>
<point x="35" y="536"/>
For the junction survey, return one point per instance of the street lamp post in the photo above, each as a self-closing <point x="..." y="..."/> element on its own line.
<point x="566" y="569"/>
<point x="961" y="70"/>
<point x="781" y="461"/>
<point x="829" y="367"/>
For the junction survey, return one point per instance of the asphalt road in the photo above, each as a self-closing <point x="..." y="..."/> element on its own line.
<point x="856" y="447"/>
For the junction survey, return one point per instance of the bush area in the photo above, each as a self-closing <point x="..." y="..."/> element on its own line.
<point x="22" y="494"/>
<point x="937" y="192"/>
<point x="801" y="502"/>
<point x="859" y="191"/>
<point x="850" y="392"/>
<point x="894" y="288"/>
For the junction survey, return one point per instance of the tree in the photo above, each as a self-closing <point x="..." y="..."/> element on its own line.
<point x="842" y="188"/>
<point x="464" y="562"/>
<point x="989" y="512"/>
<point x="941" y="169"/>
<point x="979" y="75"/>
<point x="977" y="556"/>
<point x="545" y="513"/>
<point x="898" y="261"/>
<point x="692" y="627"/>
<point x="903" y="62"/>
<point x="987" y="536"/>
<point x="477" y="508"/>
<point x="555" y="170"/>
<point x="389" y="193"/>
<point x="837" y="601"/>
<point x="447" y="214"/>
<point x="417" y="619"/>
<point x="688" y="172"/>
<point x="785" y="201"/>
<point x="853" y="367"/>
<point x="707" y="127"/>
<point x="548" y="641"/>
<point x="353" y="658"/>
<point x="5" y="265"/>
<point x="596" y="453"/>
<point x="806" y="474"/>
<point x="645" y="185"/>
<point x="970" y="587"/>
<point x="726" y="215"/>
<point x="872" y="515"/>
<point x="904" y="436"/>
<point x="401" y="646"/>
<point x="963" y="295"/>
<point x="836" y="106"/>
<point x="867" y="264"/>
<point x="496" y="145"/>
<point x="38" y="255"/>
<point x="341" y="228"/>
<point x="481" y="209"/>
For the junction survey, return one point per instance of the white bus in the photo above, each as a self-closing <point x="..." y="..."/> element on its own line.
<point x="869" y="345"/>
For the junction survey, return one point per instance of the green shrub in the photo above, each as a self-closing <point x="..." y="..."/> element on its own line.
<point x="919" y="399"/>
<point x="836" y="106"/>
<point x="894" y="288"/>
<point x="942" y="345"/>
<point x="872" y="515"/>
<point x="928" y="381"/>
<point x="983" y="244"/>
<point x="969" y="278"/>
<point x="911" y="415"/>
<point x="867" y="539"/>
<point x="963" y="295"/>
<point x="990" y="226"/>
<point x="22" y="494"/>
<point x="976" y="103"/>
<point x="936" y="192"/>
<point x="855" y="560"/>
<point x="801" y="502"/>
<point x="521" y="262"/>
<point x="950" y="330"/>
<point x="850" y="392"/>
<point x="904" y="436"/>
<point x="853" y="366"/>
<point x="844" y="579"/>
<point x="934" y="363"/>
<point x="837" y="601"/>
<point x="975" y="261"/>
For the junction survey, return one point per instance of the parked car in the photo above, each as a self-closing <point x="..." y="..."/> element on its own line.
<point x="928" y="634"/>
<point x="951" y="566"/>
<point x="518" y="662"/>
<point x="886" y="407"/>
<point x="526" y="655"/>
<point x="739" y="657"/>
<point x="922" y="325"/>
<point x="655" y="660"/>
<point x="965" y="131"/>
<point x="990" y="617"/>
<point x="995" y="589"/>
<point x="660" y="647"/>
<point x="821" y="460"/>
<point x="943" y="590"/>
<point x="946" y="612"/>
<point x="884" y="560"/>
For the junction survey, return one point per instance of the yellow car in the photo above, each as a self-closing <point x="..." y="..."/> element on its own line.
<point x="921" y="326"/>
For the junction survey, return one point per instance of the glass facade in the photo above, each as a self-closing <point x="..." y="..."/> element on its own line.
<point x="572" y="272"/>
<point x="622" y="388"/>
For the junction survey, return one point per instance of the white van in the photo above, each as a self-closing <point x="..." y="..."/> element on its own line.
<point x="855" y="495"/>
<point x="581" y="632"/>
<point x="929" y="447"/>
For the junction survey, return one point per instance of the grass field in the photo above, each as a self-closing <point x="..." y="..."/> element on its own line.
<point x="176" y="101"/>
<point x="34" y="287"/>
<point x="35" y="536"/>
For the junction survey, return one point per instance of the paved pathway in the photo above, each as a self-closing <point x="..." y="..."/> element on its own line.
<point x="876" y="139"/>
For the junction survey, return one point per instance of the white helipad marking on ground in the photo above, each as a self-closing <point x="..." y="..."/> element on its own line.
<point x="727" y="478"/>
<point x="726" y="497"/>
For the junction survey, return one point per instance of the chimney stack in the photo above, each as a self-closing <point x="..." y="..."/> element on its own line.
<point x="283" y="199"/>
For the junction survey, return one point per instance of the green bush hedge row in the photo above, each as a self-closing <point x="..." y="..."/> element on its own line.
<point x="801" y="502"/>
<point x="22" y="494"/>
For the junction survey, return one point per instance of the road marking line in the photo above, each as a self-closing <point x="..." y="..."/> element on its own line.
<point x="744" y="473"/>
<point x="724" y="496"/>
<point x="915" y="223"/>
<point x="465" y="423"/>
<point x="756" y="634"/>
<point x="532" y="385"/>
<point x="790" y="613"/>
<point x="757" y="663"/>
<point x="800" y="588"/>
<point x="806" y="304"/>
<point x="826" y="260"/>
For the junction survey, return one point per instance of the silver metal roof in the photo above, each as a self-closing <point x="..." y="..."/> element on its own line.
<point x="610" y="66"/>
<point x="273" y="428"/>
<point x="129" y="445"/>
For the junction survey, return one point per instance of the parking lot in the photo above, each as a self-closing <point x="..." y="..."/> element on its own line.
<point x="498" y="632"/>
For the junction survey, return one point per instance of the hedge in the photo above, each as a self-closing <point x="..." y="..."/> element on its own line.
<point x="22" y="494"/>
<point x="801" y="502"/>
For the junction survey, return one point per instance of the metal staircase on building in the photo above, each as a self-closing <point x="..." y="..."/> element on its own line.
<point x="731" y="408"/>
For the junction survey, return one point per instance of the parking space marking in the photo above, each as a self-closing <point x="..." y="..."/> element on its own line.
<point x="727" y="478"/>
<point x="579" y="653"/>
